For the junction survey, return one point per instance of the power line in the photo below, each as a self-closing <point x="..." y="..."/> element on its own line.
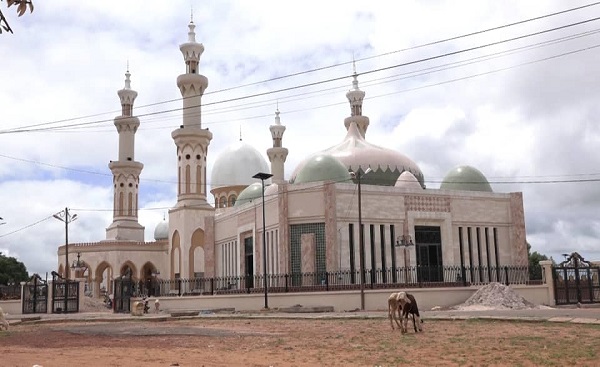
<point x="27" y="128"/>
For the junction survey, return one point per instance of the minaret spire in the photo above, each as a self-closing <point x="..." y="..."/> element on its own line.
<point x="126" y="172"/>
<point x="277" y="154"/>
<point x="355" y="97"/>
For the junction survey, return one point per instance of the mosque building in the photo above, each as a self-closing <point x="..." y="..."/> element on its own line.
<point x="313" y="220"/>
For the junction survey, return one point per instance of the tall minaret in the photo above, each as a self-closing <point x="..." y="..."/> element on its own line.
<point x="192" y="141"/>
<point x="189" y="254"/>
<point x="355" y="97"/>
<point x="126" y="172"/>
<point x="277" y="154"/>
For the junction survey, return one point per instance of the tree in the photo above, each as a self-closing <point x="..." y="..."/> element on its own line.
<point x="12" y="270"/>
<point x="535" y="270"/>
<point x="22" y="6"/>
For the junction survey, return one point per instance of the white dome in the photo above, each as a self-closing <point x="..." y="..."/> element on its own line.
<point x="236" y="165"/>
<point x="161" y="232"/>
<point x="407" y="180"/>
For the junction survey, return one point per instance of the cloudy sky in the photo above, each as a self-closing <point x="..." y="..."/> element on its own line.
<point x="443" y="87"/>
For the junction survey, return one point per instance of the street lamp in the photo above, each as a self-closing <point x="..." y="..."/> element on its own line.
<point x="361" y="238"/>
<point x="262" y="177"/>
<point x="405" y="241"/>
<point x="78" y="265"/>
<point x="66" y="217"/>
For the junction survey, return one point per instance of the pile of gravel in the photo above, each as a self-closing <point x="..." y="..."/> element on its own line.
<point x="91" y="304"/>
<point x="495" y="296"/>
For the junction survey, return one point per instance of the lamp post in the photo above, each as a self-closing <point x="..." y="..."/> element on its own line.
<point x="405" y="241"/>
<point x="361" y="238"/>
<point x="262" y="177"/>
<point x="66" y="217"/>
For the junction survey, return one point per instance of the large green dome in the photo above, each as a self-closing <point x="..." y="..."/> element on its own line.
<point x="323" y="167"/>
<point x="465" y="178"/>
<point x="250" y="193"/>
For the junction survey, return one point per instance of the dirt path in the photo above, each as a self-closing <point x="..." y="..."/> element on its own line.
<point x="244" y="342"/>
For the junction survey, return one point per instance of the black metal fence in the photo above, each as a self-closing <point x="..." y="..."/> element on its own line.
<point x="411" y="277"/>
<point x="11" y="291"/>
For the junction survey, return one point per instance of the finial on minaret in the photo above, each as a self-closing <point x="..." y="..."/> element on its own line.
<point x="127" y="75"/>
<point x="277" y="118"/>
<point x="192" y="27"/>
<point x="240" y="132"/>
<point x="355" y="97"/>
<point x="191" y="13"/>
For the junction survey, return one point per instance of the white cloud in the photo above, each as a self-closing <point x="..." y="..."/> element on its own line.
<point x="67" y="59"/>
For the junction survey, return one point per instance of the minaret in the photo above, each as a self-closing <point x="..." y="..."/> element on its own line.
<point x="189" y="220"/>
<point x="277" y="154"/>
<point x="355" y="97"/>
<point x="126" y="172"/>
<point x="192" y="141"/>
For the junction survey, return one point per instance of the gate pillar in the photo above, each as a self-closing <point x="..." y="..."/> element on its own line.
<point x="548" y="280"/>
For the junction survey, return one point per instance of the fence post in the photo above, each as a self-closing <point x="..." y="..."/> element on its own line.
<point x="212" y="286"/>
<point x="286" y="283"/>
<point x="506" y="274"/>
<point x="464" y="276"/>
<point x="326" y="281"/>
<point x="179" y="286"/>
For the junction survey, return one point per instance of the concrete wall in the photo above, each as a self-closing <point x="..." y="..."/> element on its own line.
<point x="11" y="307"/>
<point x="375" y="300"/>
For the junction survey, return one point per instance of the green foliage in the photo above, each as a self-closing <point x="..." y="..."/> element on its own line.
<point x="12" y="270"/>
<point x="535" y="270"/>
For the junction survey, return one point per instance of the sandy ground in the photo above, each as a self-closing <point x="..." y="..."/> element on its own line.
<point x="299" y="342"/>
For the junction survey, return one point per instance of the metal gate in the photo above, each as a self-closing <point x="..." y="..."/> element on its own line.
<point x="576" y="281"/>
<point x="65" y="294"/>
<point x="35" y="296"/>
<point x="124" y="288"/>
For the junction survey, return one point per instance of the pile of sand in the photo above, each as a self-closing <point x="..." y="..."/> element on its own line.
<point x="91" y="304"/>
<point x="495" y="296"/>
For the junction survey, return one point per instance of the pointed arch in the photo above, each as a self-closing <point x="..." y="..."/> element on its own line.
<point x="128" y="267"/>
<point x="175" y="254"/>
<point x="196" y="254"/>
<point x="103" y="277"/>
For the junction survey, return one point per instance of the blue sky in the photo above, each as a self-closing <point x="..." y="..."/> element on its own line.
<point x="524" y="111"/>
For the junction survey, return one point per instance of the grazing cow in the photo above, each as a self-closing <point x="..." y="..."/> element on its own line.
<point x="409" y="306"/>
<point x="3" y="322"/>
<point x="394" y="310"/>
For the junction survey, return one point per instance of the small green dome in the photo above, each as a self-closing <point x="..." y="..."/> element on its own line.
<point x="323" y="167"/>
<point x="250" y="193"/>
<point x="465" y="178"/>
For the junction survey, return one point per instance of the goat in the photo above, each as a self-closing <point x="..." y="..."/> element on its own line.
<point x="408" y="304"/>
<point x="394" y="311"/>
<point x="3" y="322"/>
